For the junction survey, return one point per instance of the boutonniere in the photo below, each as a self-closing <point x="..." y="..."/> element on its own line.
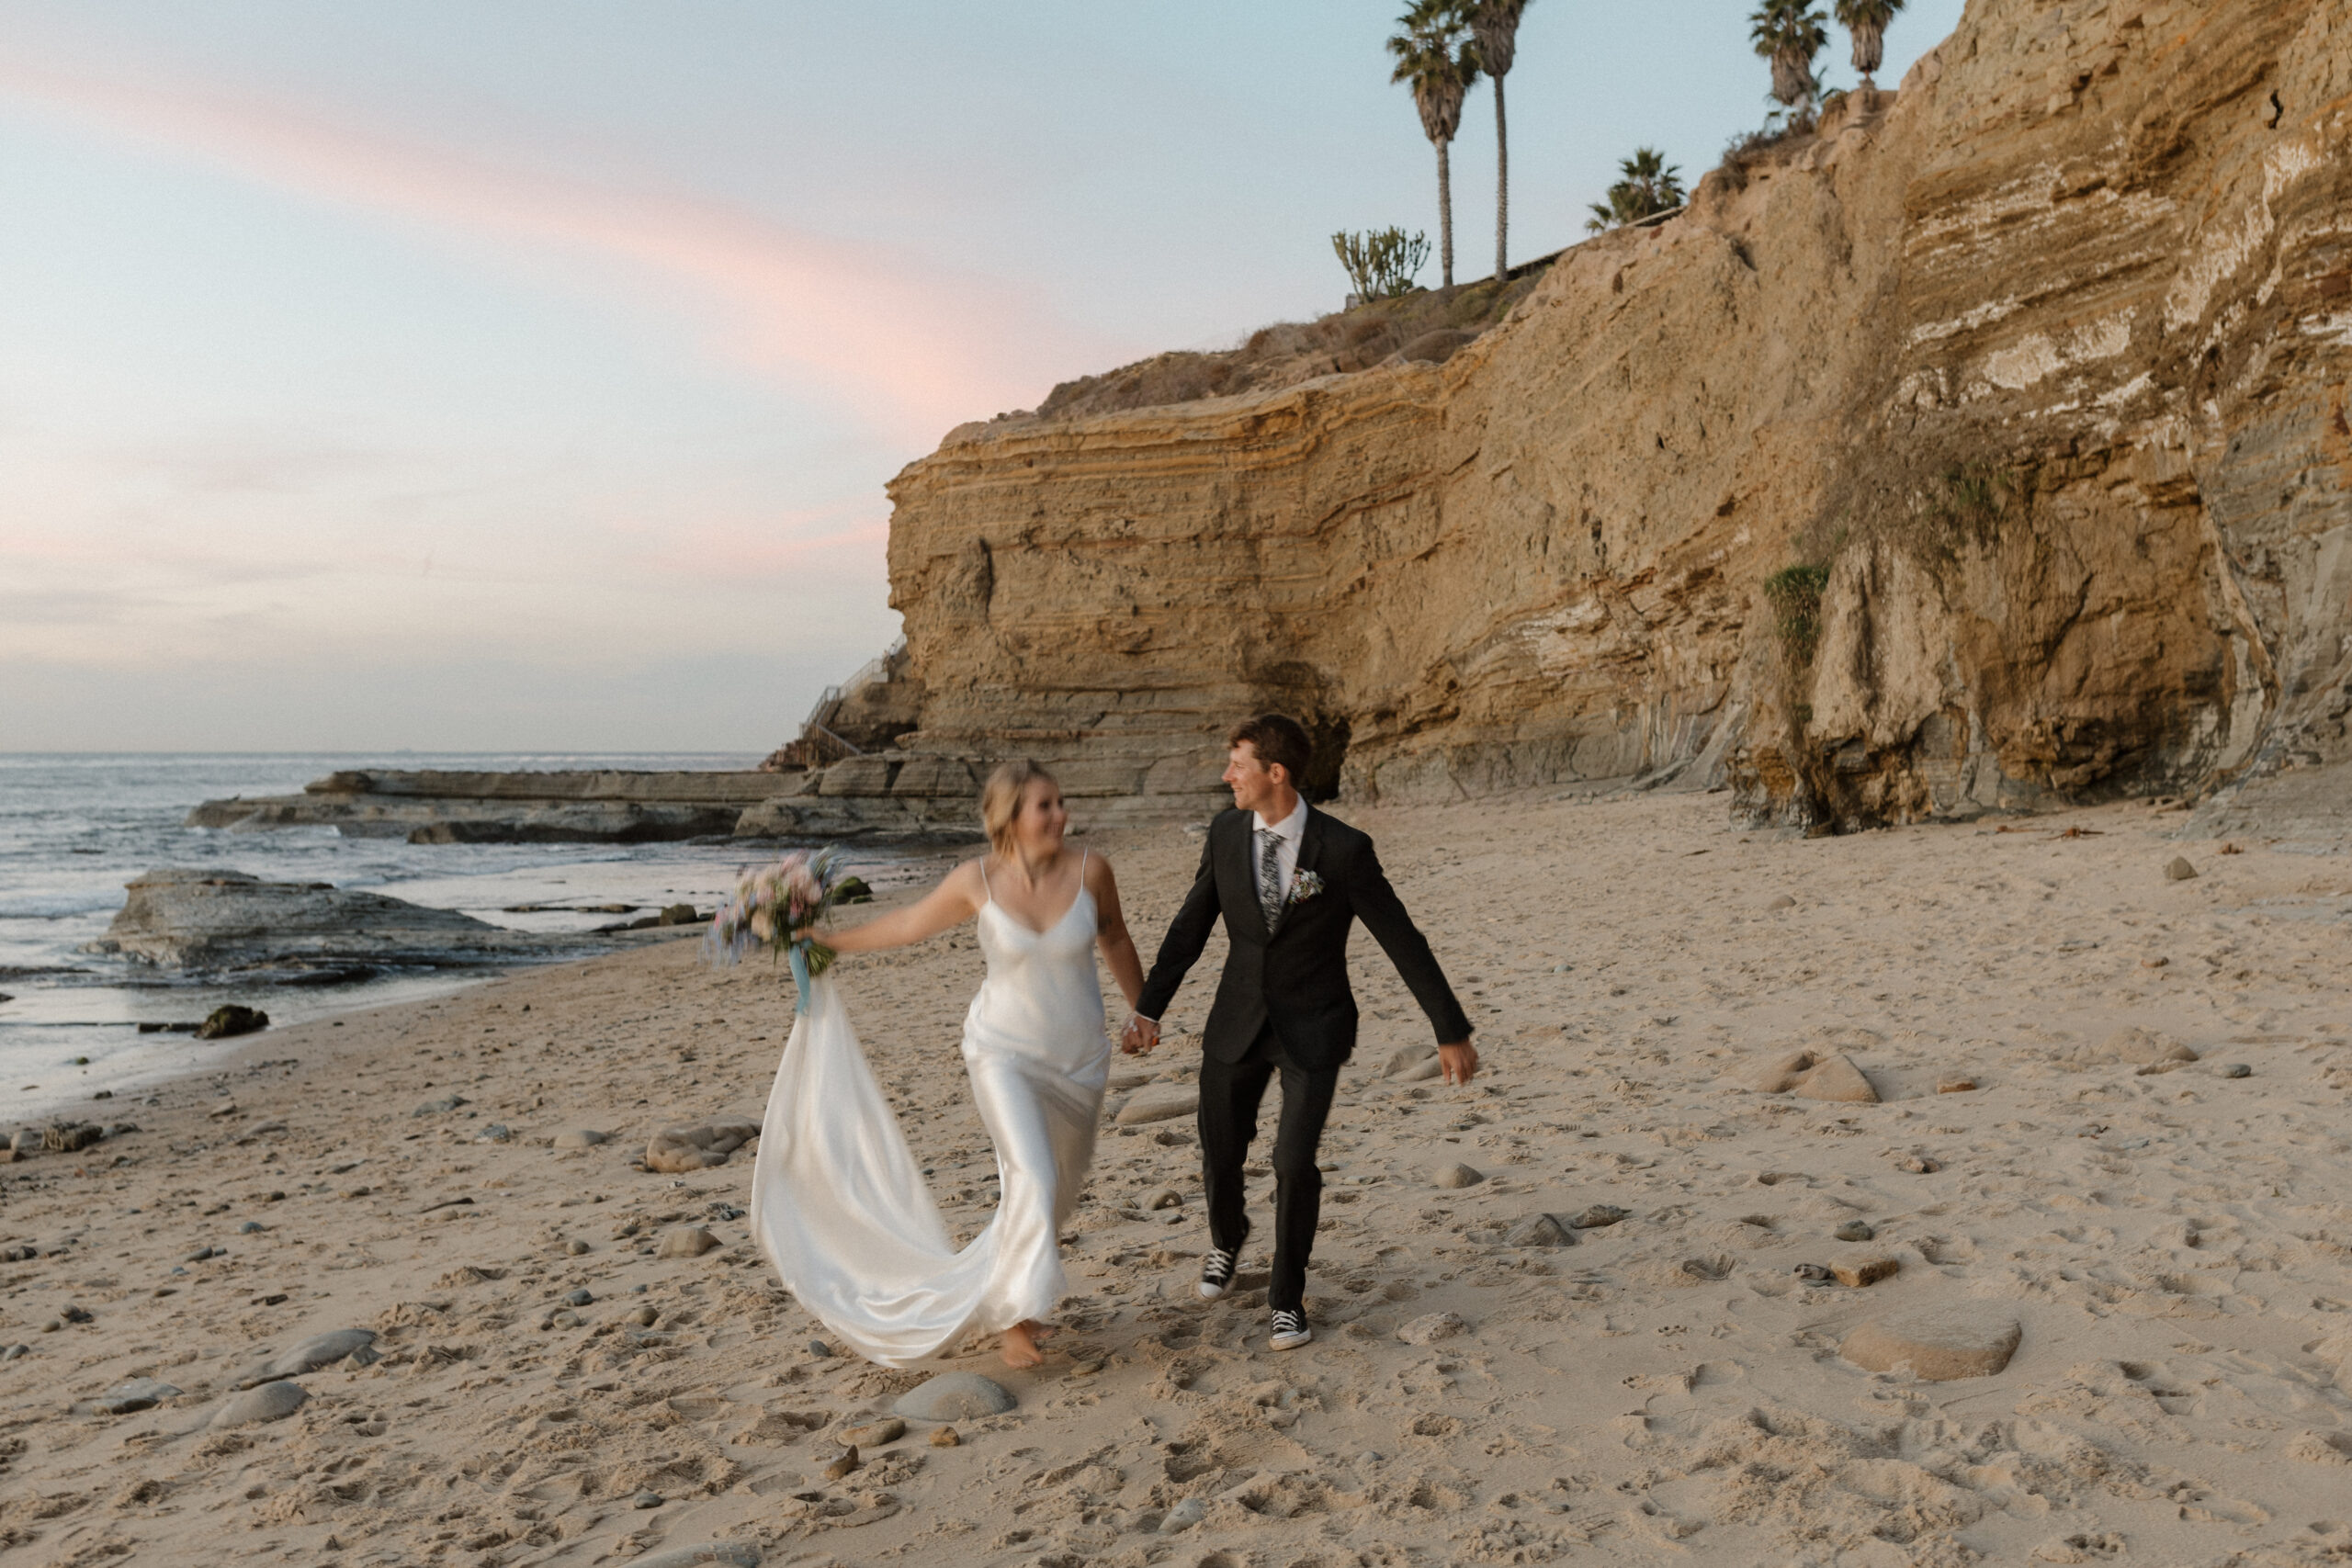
<point x="1304" y="885"/>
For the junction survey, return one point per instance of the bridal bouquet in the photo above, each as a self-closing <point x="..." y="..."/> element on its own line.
<point x="778" y="907"/>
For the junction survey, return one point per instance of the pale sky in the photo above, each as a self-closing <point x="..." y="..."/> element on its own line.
<point x="457" y="376"/>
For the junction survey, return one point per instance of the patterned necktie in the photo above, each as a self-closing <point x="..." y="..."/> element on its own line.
<point x="1269" y="875"/>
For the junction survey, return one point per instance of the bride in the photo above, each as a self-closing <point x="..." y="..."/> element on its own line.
<point x="838" y="1203"/>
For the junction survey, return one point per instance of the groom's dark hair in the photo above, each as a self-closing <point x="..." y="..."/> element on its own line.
<point x="1277" y="739"/>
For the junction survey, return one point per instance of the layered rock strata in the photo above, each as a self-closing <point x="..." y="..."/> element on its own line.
<point x="886" y="796"/>
<point x="1986" y="447"/>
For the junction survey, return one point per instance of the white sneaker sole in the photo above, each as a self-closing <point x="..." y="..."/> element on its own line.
<point x="1211" y="1292"/>
<point x="1293" y="1341"/>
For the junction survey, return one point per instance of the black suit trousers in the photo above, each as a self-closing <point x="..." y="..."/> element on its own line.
<point x="1231" y="1094"/>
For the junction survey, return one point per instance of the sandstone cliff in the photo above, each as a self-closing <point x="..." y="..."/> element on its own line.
<point x="2024" y="390"/>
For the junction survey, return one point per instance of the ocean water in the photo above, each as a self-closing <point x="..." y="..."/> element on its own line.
<point x="74" y="830"/>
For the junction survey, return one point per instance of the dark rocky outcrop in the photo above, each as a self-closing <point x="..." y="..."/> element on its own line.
<point x="219" y="921"/>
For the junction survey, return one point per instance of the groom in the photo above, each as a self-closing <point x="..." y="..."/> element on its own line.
<point x="1289" y="881"/>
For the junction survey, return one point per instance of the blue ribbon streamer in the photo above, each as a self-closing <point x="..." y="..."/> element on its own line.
<point x="800" y="971"/>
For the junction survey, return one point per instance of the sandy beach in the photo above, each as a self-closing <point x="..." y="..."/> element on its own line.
<point x="2173" y="1244"/>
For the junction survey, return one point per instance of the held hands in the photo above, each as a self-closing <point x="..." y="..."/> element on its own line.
<point x="1457" y="1064"/>
<point x="1140" y="1035"/>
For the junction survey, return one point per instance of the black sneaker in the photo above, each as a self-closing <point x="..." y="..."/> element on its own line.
<point x="1217" y="1273"/>
<point x="1291" y="1330"/>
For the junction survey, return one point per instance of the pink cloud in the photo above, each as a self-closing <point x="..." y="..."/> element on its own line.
<point x="913" y="349"/>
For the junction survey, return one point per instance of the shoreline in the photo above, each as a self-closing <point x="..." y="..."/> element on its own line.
<point x="1629" y="963"/>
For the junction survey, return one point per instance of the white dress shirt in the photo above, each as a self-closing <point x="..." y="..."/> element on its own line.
<point x="1292" y="829"/>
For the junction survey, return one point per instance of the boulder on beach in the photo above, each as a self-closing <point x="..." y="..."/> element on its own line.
<point x="229" y="1020"/>
<point x="228" y="920"/>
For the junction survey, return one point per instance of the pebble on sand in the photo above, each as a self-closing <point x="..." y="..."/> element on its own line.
<point x="1160" y="1105"/>
<point x="685" y="1241"/>
<point x="1458" y="1176"/>
<point x="2234" y="1070"/>
<point x="1183" y="1515"/>
<point x="1429" y="1330"/>
<point x="946" y="1437"/>
<point x="1856" y="1230"/>
<point x="269" y="1402"/>
<point x="1955" y="1086"/>
<point x="954" y="1396"/>
<point x="1599" y="1215"/>
<point x="876" y="1434"/>
<point x="1939" y="1344"/>
<point x="2179" y="870"/>
<point x="577" y="1138"/>
<point x="848" y="1464"/>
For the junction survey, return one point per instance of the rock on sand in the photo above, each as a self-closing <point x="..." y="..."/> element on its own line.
<point x="270" y="1401"/>
<point x="2138" y="1048"/>
<point x="1939" y="1344"/>
<point x="1429" y="1330"/>
<point x="675" y="1150"/>
<point x="685" y="1241"/>
<point x="1163" y="1104"/>
<point x="730" y="1553"/>
<point x="1815" y="1074"/>
<point x="954" y="1396"/>
<point x="310" y="1355"/>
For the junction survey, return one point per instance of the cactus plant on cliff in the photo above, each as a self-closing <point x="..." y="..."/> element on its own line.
<point x="1380" y="263"/>
<point x="1438" y="62"/>
<point x="1789" y="33"/>
<point x="1866" y="20"/>
<point x="1494" y="23"/>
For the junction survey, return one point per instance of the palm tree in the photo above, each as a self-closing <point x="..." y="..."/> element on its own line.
<point x="1440" y="64"/>
<point x="1650" y="186"/>
<point x="1866" y="19"/>
<point x="1494" y="23"/>
<point x="1789" y="33"/>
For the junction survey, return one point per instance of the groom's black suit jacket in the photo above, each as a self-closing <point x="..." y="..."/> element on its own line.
<point x="1295" y="976"/>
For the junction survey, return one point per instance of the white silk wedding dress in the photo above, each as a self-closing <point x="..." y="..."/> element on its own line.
<point x="838" y="1203"/>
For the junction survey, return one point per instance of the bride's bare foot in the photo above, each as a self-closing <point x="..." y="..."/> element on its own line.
<point x="1019" y="1345"/>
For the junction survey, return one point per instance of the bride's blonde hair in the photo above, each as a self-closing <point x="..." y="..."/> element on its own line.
<point x="1000" y="799"/>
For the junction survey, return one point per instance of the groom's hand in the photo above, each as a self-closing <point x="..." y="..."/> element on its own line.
<point x="1140" y="1035"/>
<point x="1457" y="1064"/>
